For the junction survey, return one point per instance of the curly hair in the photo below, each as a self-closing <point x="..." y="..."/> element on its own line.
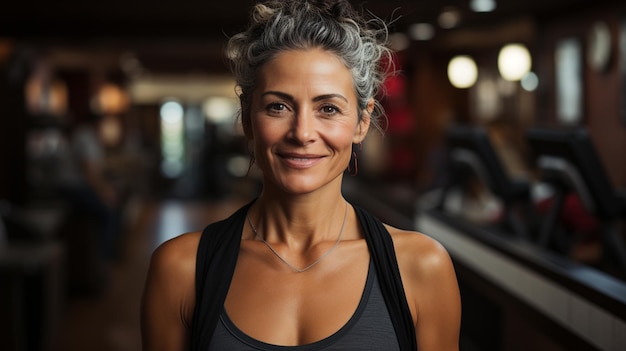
<point x="335" y="26"/>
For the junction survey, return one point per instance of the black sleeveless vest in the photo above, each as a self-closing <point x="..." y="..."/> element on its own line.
<point x="217" y="256"/>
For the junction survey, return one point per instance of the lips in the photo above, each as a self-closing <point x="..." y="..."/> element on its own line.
<point x="300" y="161"/>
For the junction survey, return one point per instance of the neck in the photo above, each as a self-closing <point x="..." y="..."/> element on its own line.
<point x="301" y="220"/>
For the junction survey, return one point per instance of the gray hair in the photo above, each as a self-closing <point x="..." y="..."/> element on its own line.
<point x="334" y="26"/>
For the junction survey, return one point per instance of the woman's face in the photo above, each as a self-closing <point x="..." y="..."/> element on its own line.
<point x="304" y="120"/>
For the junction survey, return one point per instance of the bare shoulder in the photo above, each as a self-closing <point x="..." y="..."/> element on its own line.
<point x="177" y="255"/>
<point x="171" y="276"/>
<point x="431" y="287"/>
<point x="419" y="253"/>
<point x="169" y="294"/>
<point x="418" y="247"/>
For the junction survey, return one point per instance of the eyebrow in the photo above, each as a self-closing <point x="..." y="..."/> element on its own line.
<point x="317" y="98"/>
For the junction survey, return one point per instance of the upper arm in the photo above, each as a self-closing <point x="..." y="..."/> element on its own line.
<point x="430" y="282"/>
<point x="169" y="295"/>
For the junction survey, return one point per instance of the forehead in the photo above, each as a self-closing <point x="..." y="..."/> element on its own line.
<point x="313" y="69"/>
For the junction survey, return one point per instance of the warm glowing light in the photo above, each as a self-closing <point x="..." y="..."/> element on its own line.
<point x="514" y="62"/>
<point x="111" y="99"/>
<point x="449" y="17"/>
<point x="462" y="71"/>
<point x="111" y="131"/>
<point x="44" y="94"/>
<point x="219" y="109"/>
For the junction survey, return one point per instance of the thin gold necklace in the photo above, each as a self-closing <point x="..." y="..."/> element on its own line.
<point x="300" y="270"/>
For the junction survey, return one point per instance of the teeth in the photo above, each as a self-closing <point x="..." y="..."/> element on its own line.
<point x="298" y="159"/>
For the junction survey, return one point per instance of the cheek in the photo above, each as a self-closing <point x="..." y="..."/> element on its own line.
<point x="266" y="137"/>
<point x="266" y="134"/>
<point x="341" y="136"/>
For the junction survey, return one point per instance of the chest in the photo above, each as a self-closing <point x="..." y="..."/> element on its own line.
<point x="271" y="303"/>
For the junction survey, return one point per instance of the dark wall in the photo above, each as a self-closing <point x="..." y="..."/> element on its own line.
<point x="13" y="124"/>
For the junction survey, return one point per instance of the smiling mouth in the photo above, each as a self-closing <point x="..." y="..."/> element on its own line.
<point x="300" y="161"/>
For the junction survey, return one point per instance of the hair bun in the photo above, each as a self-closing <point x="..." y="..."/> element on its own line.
<point x="337" y="9"/>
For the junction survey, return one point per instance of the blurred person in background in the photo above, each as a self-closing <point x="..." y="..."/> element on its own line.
<point x="83" y="182"/>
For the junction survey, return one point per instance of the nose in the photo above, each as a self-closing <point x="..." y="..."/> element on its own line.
<point x="303" y="128"/>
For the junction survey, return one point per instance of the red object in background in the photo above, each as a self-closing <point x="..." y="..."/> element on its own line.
<point x="574" y="217"/>
<point x="395" y="87"/>
<point x="400" y="121"/>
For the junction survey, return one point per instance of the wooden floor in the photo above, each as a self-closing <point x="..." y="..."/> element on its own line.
<point x="110" y="320"/>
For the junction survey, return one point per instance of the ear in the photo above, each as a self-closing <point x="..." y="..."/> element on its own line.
<point x="364" y="124"/>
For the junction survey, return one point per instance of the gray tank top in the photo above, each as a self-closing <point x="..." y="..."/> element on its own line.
<point x="369" y="328"/>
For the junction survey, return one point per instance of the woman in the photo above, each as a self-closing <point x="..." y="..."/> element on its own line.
<point x="299" y="268"/>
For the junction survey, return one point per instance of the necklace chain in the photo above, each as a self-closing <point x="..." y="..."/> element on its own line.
<point x="300" y="270"/>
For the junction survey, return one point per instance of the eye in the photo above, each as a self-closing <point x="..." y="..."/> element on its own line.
<point x="276" y="109"/>
<point x="277" y="106"/>
<point x="329" y="110"/>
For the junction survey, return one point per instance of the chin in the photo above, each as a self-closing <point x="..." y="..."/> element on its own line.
<point x="300" y="187"/>
<point x="303" y="185"/>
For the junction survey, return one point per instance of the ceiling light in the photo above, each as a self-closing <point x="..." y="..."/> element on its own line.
<point x="530" y="82"/>
<point x="514" y="62"/>
<point x="482" y="5"/>
<point x="421" y="31"/>
<point x="171" y="112"/>
<point x="462" y="71"/>
<point x="219" y="109"/>
<point x="449" y="17"/>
